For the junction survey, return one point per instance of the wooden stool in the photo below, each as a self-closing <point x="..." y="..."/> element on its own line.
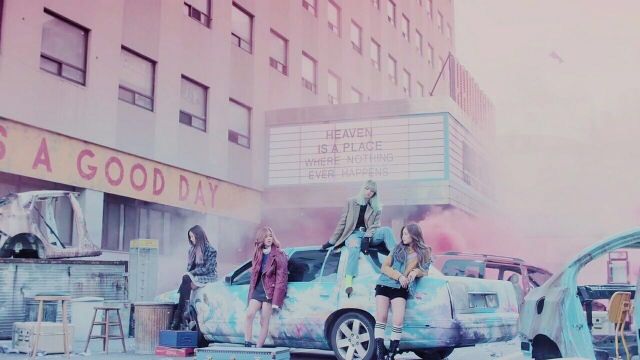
<point x="105" y="337"/>
<point x="41" y="298"/>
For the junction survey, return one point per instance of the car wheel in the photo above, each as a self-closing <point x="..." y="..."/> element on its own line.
<point x="352" y="337"/>
<point x="434" y="354"/>
<point x="544" y="348"/>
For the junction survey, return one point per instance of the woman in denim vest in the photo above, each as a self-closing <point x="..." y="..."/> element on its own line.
<point x="410" y="259"/>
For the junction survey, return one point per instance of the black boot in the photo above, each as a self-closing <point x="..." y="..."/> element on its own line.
<point x="178" y="316"/>
<point x="393" y="349"/>
<point x="177" y="319"/>
<point x="381" y="350"/>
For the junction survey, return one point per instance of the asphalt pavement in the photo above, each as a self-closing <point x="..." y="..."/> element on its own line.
<point x="504" y="351"/>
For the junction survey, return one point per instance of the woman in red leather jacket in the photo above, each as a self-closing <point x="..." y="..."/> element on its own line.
<point x="268" y="286"/>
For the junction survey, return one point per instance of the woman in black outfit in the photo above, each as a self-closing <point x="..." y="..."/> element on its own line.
<point x="202" y="266"/>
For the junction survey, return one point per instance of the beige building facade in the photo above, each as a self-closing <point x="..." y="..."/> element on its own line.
<point x="185" y="86"/>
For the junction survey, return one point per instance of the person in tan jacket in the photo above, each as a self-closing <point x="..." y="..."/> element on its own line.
<point x="359" y="227"/>
<point x="410" y="259"/>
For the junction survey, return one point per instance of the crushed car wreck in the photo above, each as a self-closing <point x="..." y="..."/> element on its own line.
<point x="557" y="317"/>
<point x="28" y="227"/>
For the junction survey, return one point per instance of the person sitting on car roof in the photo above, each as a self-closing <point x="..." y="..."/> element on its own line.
<point x="359" y="227"/>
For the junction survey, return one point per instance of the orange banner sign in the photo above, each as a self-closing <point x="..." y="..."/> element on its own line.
<point x="42" y="154"/>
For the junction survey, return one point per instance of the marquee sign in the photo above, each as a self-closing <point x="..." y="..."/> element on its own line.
<point x="397" y="148"/>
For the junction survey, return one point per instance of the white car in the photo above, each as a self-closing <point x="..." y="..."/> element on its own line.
<point x="447" y="311"/>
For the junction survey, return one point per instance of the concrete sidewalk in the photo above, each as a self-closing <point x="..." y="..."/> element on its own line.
<point x="505" y="351"/>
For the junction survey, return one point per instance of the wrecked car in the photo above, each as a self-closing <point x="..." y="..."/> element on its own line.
<point x="446" y="313"/>
<point x="28" y="227"/>
<point x="557" y="319"/>
<point x="483" y="266"/>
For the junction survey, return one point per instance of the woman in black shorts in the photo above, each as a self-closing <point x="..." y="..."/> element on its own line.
<point x="268" y="284"/>
<point x="410" y="259"/>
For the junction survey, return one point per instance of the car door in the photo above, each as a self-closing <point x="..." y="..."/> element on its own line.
<point x="428" y="319"/>
<point x="311" y="297"/>
<point x="224" y="304"/>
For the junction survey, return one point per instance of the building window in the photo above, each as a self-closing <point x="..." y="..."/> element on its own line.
<point x="309" y="72"/>
<point x="240" y="123"/>
<point x="356" y="96"/>
<point x="136" y="79"/>
<point x="241" y="28"/>
<point x="126" y="219"/>
<point x="278" y="59"/>
<point x="430" y="9"/>
<point x="376" y="4"/>
<point x="198" y="10"/>
<point x="392" y="69"/>
<point x="310" y="6"/>
<point x="440" y="21"/>
<point x="356" y="37"/>
<point x="420" y="89"/>
<point x="430" y="55"/>
<point x="333" y="17"/>
<point x="406" y="82"/>
<point x="419" y="42"/>
<point x="374" y="53"/>
<point x="193" y="104"/>
<point x="449" y="32"/>
<point x="64" y="48"/>
<point x="333" y="85"/>
<point x="120" y="223"/>
<point x="404" y="26"/>
<point x="391" y="12"/>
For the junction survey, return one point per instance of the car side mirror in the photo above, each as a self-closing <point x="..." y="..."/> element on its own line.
<point x="227" y="279"/>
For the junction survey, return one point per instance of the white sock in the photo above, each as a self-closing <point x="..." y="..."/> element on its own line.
<point x="396" y="332"/>
<point x="378" y="332"/>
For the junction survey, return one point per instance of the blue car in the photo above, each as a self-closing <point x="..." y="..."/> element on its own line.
<point x="446" y="312"/>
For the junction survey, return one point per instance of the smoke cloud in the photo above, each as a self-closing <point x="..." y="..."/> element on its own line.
<point x="567" y="129"/>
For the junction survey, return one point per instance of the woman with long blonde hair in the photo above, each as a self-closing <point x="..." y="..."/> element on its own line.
<point x="268" y="285"/>
<point x="359" y="227"/>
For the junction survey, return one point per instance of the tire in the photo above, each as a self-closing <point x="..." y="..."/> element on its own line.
<point x="434" y="354"/>
<point x="544" y="348"/>
<point x="30" y="247"/>
<point x="348" y="344"/>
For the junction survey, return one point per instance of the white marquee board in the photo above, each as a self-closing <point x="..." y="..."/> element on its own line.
<point x="399" y="148"/>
